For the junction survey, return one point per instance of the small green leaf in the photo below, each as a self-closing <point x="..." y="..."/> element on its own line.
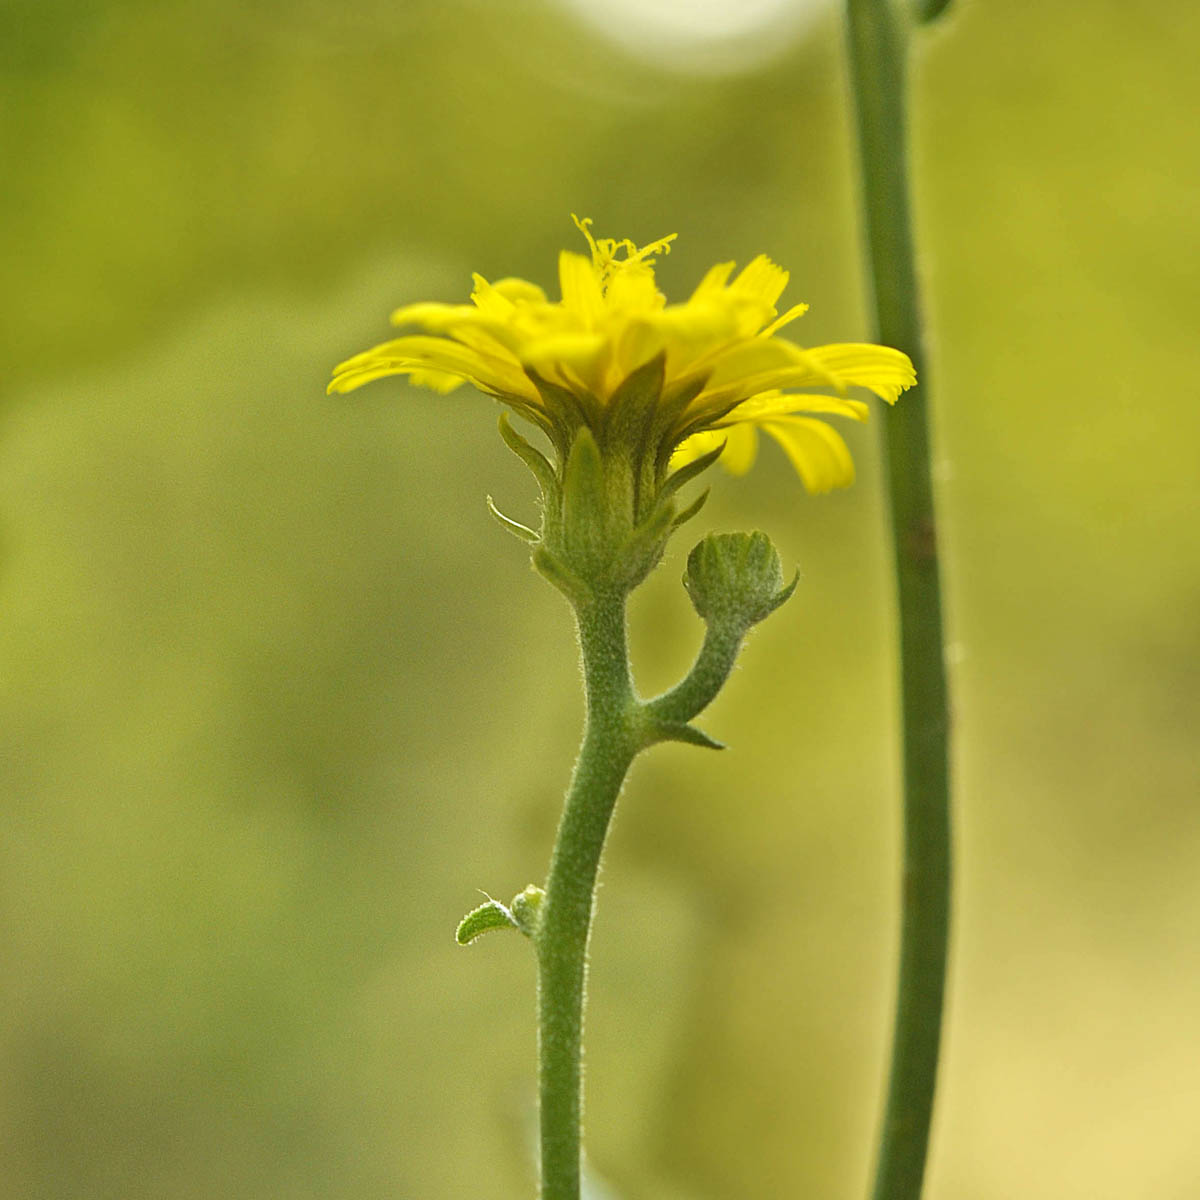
<point x="490" y="915"/>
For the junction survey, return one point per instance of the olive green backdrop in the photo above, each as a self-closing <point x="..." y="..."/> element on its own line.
<point x="277" y="696"/>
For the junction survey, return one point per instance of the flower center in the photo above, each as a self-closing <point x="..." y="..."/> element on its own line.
<point x="606" y="250"/>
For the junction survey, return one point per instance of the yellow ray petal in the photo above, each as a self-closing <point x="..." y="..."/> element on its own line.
<point x="797" y="310"/>
<point x="581" y="353"/>
<point x="741" y="449"/>
<point x="491" y="302"/>
<point x="437" y="352"/>
<point x="434" y="316"/>
<point x="347" y="381"/>
<point x="816" y="450"/>
<point x="692" y="448"/>
<point x="714" y="282"/>
<point x="492" y="339"/>
<point x="761" y="282"/>
<point x="778" y="404"/>
<point x="438" y="381"/>
<point x="519" y="291"/>
<point x="490" y="372"/>
<point x="885" y="371"/>
<point x="581" y="294"/>
<point x="806" y="371"/>
<point x="632" y="290"/>
<point x="484" y="329"/>
<point x="754" y="357"/>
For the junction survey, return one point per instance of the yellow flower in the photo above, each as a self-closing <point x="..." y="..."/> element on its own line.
<point x="720" y="370"/>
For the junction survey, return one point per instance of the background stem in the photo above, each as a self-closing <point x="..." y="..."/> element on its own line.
<point x="878" y="43"/>
<point x="609" y="746"/>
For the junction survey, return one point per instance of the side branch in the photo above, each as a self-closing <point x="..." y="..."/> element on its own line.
<point x="709" y="672"/>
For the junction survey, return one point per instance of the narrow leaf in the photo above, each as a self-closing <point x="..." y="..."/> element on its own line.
<point x="677" y="731"/>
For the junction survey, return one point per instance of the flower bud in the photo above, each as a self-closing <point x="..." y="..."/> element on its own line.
<point x="736" y="579"/>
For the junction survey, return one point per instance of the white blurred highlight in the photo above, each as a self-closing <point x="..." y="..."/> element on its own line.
<point x="714" y="36"/>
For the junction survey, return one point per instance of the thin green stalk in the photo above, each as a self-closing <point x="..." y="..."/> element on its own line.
<point x="706" y="678"/>
<point x="878" y="44"/>
<point x="611" y="739"/>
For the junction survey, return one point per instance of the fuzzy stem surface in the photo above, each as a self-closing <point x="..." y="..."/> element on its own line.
<point x="610" y="743"/>
<point x="708" y="675"/>
<point x="878" y="47"/>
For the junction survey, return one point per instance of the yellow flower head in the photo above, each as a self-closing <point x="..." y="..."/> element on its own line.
<point x="714" y="366"/>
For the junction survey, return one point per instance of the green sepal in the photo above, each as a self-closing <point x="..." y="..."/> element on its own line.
<point x="579" y="408"/>
<point x="645" y="544"/>
<point x="665" y="433"/>
<point x="692" y="509"/>
<point x="702" y="421"/>
<point x="533" y="458"/>
<point x="565" y="580"/>
<point x="689" y="471"/>
<point x="489" y="915"/>
<point x="514" y="527"/>
<point x="584" y="501"/>
<point x="632" y="407"/>
<point x="677" y="731"/>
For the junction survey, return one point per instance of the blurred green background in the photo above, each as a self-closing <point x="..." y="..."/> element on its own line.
<point x="277" y="697"/>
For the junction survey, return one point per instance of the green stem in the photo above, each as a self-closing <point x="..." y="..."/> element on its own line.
<point x="611" y="739"/>
<point x="878" y="44"/>
<point x="706" y="678"/>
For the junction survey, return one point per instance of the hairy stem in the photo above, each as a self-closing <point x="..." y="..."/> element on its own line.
<point x="706" y="678"/>
<point x="609" y="744"/>
<point x="878" y="38"/>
